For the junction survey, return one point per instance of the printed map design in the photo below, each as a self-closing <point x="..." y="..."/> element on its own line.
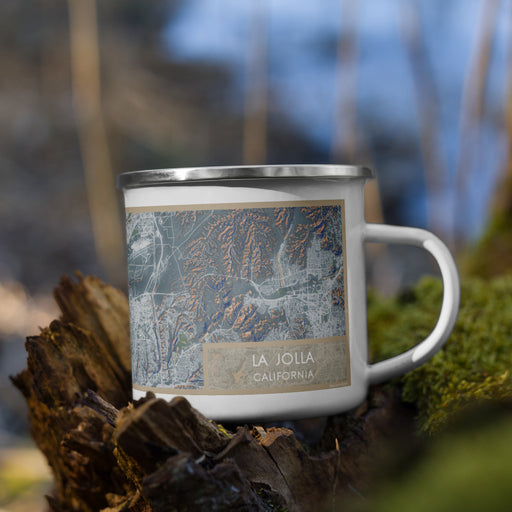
<point x="229" y="275"/>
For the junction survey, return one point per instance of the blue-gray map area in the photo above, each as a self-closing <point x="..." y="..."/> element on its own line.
<point x="232" y="275"/>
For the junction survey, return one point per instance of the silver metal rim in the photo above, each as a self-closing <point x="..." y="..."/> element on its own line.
<point x="159" y="177"/>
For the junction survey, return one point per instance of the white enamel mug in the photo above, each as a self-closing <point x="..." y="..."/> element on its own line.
<point x="247" y="289"/>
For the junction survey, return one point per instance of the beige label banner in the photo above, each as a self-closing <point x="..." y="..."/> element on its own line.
<point x="273" y="367"/>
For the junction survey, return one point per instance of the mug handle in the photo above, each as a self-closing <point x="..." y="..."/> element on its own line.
<point x="424" y="350"/>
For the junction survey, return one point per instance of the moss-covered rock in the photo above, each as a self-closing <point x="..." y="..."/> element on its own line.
<point x="475" y="363"/>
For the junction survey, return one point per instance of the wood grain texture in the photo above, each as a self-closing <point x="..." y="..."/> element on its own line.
<point x="108" y="453"/>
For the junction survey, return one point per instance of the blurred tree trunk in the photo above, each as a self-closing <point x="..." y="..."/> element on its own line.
<point x="255" y="116"/>
<point x="427" y="101"/>
<point x="492" y="255"/>
<point x="345" y="145"/>
<point x="86" y="83"/>
<point x="348" y="145"/>
<point x="472" y="110"/>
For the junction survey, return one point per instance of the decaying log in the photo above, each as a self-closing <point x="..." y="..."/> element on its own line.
<point x="110" y="454"/>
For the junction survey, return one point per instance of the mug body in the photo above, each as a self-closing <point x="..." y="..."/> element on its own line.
<point x="247" y="288"/>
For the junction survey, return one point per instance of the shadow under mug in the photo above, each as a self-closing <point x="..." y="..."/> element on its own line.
<point x="247" y="289"/>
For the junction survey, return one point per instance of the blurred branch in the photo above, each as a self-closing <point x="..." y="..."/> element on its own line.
<point x="255" y="125"/>
<point x="427" y="101"/>
<point x="85" y="70"/>
<point x="473" y="99"/>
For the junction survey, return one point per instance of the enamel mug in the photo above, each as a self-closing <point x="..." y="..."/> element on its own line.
<point x="247" y="289"/>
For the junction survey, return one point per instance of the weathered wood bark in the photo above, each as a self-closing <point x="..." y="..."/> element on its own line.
<point x="110" y="454"/>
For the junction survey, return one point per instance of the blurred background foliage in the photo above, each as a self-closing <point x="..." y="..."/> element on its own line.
<point x="420" y="90"/>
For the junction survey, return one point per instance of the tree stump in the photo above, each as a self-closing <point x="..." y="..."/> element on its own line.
<point x="108" y="453"/>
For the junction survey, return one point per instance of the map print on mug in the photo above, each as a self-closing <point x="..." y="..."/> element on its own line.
<point x="247" y="289"/>
<point x="238" y="298"/>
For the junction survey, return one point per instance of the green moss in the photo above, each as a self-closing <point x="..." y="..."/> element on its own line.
<point x="24" y="475"/>
<point x="492" y="254"/>
<point x="475" y="362"/>
<point x="266" y="499"/>
<point x="222" y="429"/>
<point x="463" y="469"/>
